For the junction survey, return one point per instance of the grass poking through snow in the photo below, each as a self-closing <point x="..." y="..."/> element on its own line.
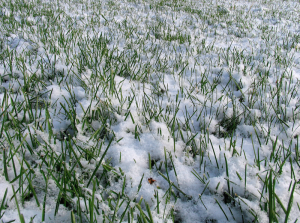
<point x="149" y="111"/>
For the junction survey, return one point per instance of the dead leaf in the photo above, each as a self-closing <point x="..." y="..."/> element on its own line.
<point x="151" y="181"/>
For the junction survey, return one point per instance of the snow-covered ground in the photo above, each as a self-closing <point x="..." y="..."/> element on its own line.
<point x="149" y="111"/>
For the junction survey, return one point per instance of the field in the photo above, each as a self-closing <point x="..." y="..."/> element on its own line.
<point x="149" y="111"/>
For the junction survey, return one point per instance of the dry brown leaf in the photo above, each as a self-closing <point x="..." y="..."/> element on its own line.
<point x="151" y="181"/>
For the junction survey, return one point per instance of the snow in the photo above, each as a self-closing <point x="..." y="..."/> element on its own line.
<point x="174" y="79"/>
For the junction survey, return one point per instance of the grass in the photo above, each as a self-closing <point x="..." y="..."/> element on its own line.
<point x="72" y="71"/>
